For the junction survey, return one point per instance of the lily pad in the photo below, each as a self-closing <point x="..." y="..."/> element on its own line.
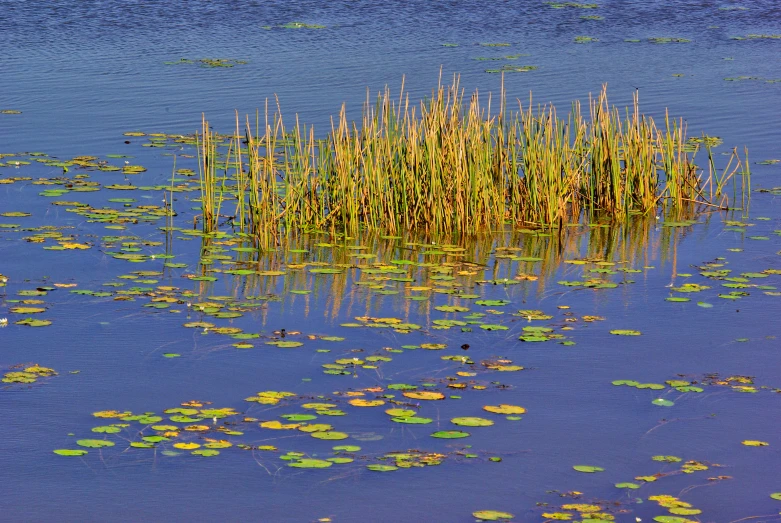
<point x="412" y="420"/>
<point x="492" y="515"/>
<point x="381" y="468"/>
<point x="311" y="464"/>
<point x="94" y="443"/>
<point x="504" y="409"/>
<point x="425" y="395"/>
<point x="625" y="332"/>
<point x="590" y="469"/>
<point x="73" y="452"/>
<point x="472" y="422"/>
<point x="205" y="452"/>
<point x="450" y="434"/>
<point x="329" y="435"/>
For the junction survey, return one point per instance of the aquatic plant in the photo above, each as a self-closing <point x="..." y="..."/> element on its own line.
<point x="757" y="37"/>
<point x="208" y="62"/>
<point x="450" y="165"/>
<point x="576" y="5"/>
<point x="668" y="40"/>
<point x="507" y="68"/>
<point x="301" y="25"/>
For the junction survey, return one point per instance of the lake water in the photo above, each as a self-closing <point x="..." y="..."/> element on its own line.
<point x="83" y="74"/>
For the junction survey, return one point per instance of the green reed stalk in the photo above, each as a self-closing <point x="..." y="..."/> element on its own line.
<point x="450" y="165"/>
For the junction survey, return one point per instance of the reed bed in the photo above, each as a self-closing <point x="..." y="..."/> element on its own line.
<point x="451" y="165"/>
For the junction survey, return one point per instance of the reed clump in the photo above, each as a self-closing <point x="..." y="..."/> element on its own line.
<point x="451" y="165"/>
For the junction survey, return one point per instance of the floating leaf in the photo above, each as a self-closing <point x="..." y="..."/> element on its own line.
<point x="382" y="468"/>
<point x="285" y="344"/>
<point x="366" y="403"/>
<point x="425" y="395"/>
<point x="142" y="444"/>
<point x="472" y="422"/>
<point x="491" y="303"/>
<point x="413" y="420"/>
<point x="625" y="332"/>
<point x="299" y="417"/>
<point x="94" y="443"/>
<point x="73" y="452"/>
<point x="588" y="468"/>
<point x="109" y="429"/>
<point x="186" y="446"/>
<point x="205" y="452"/>
<point x="668" y="459"/>
<point x="347" y="448"/>
<point x="311" y="464"/>
<point x="449" y="434"/>
<point x="493" y="327"/>
<point x="34" y="323"/>
<point x="505" y="409"/>
<point x="329" y="435"/>
<point x="492" y="515"/>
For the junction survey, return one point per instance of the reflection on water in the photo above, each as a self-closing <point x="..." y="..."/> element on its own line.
<point x="362" y="269"/>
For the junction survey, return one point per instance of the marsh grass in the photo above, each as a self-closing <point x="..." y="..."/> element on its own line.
<point x="450" y="164"/>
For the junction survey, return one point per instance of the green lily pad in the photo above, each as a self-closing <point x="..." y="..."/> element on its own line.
<point x="30" y="322"/>
<point x="492" y="515"/>
<point x="73" y="452"/>
<point x="381" y="468"/>
<point x="285" y="344"/>
<point x="108" y="429"/>
<point x="94" y="443"/>
<point x="625" y="332"/>
<point x="205" y="452"/>
<point x="588" y="468"/>
<point x="667" y="459"/>
<point x="450" y="434"/>
<point x="472" y="422"/>
<point x="341" y="460"/>
<point x="142" y="444"/>
<point x="493" y="327"/>
<point x="299" y="417"/>
<point x="329" y="435"/>
<point x="347" y="448"/>
<point x="413" y="420"/>
<point x="491" y="303"/>
<point x="311" y="464"/>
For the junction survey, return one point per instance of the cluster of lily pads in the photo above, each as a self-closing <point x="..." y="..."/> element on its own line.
<point x="205" y="431"/>
<point x="595" y="511"/>
<point x="27" y="374"/>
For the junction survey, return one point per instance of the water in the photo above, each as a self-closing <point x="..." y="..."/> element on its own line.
<point x="85" y="73"/>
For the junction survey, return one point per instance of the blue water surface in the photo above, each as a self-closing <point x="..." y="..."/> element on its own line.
<point x="84" y="73"/>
